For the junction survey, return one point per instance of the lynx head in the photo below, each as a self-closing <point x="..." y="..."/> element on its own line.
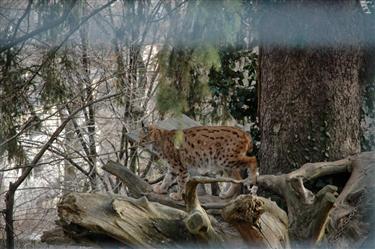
<point x="149" y="134"/>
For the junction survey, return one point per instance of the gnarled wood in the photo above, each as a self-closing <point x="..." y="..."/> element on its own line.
<point x="325" y="216"/>
<point x="350" y="222"/>
<point x="135" y="222"/>
<point x="315" y="218"/>
<point x="198" y="222"/>
<point x="307" y="212"/>
<point x="137" y="186"/>
<point x="259" y="221"/>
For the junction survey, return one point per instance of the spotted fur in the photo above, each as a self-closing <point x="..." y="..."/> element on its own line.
<point x="205" y="149"/>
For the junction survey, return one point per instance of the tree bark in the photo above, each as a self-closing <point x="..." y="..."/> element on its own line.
<point x="9" y="224"/>
<point x="309" y="83"/>
<point x="90" y="117"/>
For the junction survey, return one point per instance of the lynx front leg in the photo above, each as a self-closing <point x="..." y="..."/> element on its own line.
<point x="182" y="178"/>
<point x="163" y="187"/>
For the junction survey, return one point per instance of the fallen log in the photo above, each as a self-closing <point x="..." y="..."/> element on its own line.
<point x="320" y="218"/>
<point x="89" y="219"/>
<point x="198" y="222"/>
<point x="132" y="222"/>
<point x="139" y="222"/>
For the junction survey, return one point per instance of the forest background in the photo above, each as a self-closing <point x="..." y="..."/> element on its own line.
<point x="77" y="76"/>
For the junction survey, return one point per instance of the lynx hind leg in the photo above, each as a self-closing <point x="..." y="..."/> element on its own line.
<point x="234" y="188"/>
<point x="253" y="169"/>
<point x="182" y="178"/>
<point x="251" y="164"/>
<point x="168" y="180"/>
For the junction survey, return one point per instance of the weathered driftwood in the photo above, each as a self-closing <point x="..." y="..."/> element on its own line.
<point x="133" y="222"/>
<point x="260" y="221"/>
<point x="89" y="219"/>
<point x="352" y="218"/>
<point x="198" y="222"/>
<point x="139" y="222"/>
<point x="314" y="218"/>
<point x="137" y="187"/>
<point x="307" y="212"/>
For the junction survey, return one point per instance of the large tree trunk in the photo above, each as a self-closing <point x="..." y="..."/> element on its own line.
<point x="309" y="84"/>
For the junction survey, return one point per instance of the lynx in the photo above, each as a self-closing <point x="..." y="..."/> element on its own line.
<point x="206" y="149"/>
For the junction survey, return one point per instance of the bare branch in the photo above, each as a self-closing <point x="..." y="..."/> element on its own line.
<point x="46" y="27"/>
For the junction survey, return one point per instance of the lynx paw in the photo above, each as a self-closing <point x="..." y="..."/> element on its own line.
<point x="176" y="196"/>
<point x="254" y="190"/>
<point x="158" y="189"/>
<point x="247" y="183"/>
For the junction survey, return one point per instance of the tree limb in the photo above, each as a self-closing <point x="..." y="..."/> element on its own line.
<point x="44" y="28"/>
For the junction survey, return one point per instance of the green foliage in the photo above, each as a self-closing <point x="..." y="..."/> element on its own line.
<point x="234" y="86"/>
<point x="54" y="89"/>
<point x="169" y="99"/>
<point x="184" y="77"/>
<point x="206" y="56"/>
<point x="19" y="93"/>
<point x="213" y="22"/>
<point x="13" y="106"/>
<point x="9" y="130"/>
<point x="184" y="69"/>
<point x="234" y="89"/>
<point x="224" y="78"/>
